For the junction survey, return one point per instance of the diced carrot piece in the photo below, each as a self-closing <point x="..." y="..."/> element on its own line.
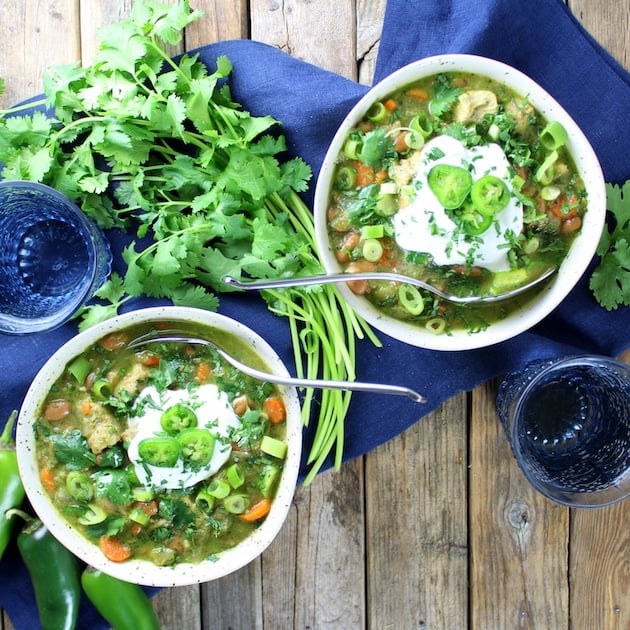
<point x="113" y="549"/>
<point x="390" y="105"/>
<point x="274" y="409"/>
<point x="256" y="511"/>
<point x="87" y="407"/>
<point x="380" y="176"/>
<point x="419" y="93"/>
<point x="47" y="478"/>
<point x="203" y="372"/>
<point x="150" y="360"/>
<point x="365" y="174"/>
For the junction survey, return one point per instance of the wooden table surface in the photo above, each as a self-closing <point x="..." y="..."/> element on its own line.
<point x="461" y="540"/>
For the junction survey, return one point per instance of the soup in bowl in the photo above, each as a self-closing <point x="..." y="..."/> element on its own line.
<point x="161" y="463"/>
<point x="460" y="171"/>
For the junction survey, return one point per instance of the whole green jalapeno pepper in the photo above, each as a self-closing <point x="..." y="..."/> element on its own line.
<point x="54" y="571"/>
<point x="11" y="488"/>
<point x="125" y="606"/>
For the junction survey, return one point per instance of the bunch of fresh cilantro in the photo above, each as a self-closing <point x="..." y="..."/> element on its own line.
<point x="610" y="281"/>
<point x="157" y="146"/>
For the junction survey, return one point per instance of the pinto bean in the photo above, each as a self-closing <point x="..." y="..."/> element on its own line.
<point x="571" y="225"/>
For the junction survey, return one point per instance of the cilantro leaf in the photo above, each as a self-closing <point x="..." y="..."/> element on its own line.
<point x="610" y="281"/>
<point x="444" y="97"/>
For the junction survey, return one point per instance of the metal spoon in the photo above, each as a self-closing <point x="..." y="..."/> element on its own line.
<point x="177" y="336"/>
<point x="384" y="275"/>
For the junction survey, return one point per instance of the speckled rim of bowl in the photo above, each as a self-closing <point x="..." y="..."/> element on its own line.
<point x="141" y="571"/>
<point x="574" y="265"/>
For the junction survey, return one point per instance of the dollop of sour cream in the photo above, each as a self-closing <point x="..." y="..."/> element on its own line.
<point x="214" y="412"/>
<point x="424" y="226"/>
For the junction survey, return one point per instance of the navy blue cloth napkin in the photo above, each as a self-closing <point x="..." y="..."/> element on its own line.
<point x="539" y="37"/>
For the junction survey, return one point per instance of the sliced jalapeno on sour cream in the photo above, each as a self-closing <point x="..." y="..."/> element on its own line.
<point x="197" y="446"/>
<point x="489" y="195"/>
<point x="450" y="184"/>
<point x="177" y="418"/>
<point x="159" y="451"/>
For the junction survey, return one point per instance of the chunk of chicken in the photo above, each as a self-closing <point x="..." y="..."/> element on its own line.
<point x="473" y="105"/>
<point x="100" y="427"/>
<point x="133" y="381"/>
<point x="519" y="112"/>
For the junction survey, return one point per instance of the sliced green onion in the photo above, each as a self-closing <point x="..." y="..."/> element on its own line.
<point x="377" y="112"/>
<point x="345" y="178"/>
<point x="204" y="501"/>
<point x="414" y="140"/>
<point x="553" y="136"/>
<point x="517" y="182"/>
<point x="267" y="480"/>
<point x="218" y="488"/>
<point x="388" y="188"/>
<point x="138" y="515"/>
<point x="142" y="494"/>
<point x="436" y="325"/>
<point x="236" y="503"/>
<point x="386" y="205"/>
<point x="494" y="131"/>
<point x="235" y="476"/>
<point x="410" y="299"/>
<point x="273" y="447"/>
<point x="372" y="250"/>
<point x="531" y="245"/>
<point x="102" y="388"/>
<point x="549" y="193"/>
<point x="422" y="124"/>
<point x="93" y="514"/>
<point x="79" y="368"/>
<point x="352" y="148"/>
<point x="544" y="174"/>
<point x="372" y="231"/>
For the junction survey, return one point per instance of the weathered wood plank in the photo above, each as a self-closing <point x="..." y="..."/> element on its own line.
<point x="330" y="577"/>
<point x="222" y="21"/>
<point x="34" y="36"/>
<point x="608" y="22"/>
<point x="370" y="15"/>
<point x="321" y="33"/>
<point x="518" y="539"/>
<point x="416" y="524"/>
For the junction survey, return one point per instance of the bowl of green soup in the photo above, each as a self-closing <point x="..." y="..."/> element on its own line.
<point x="460" y="171"/>
<point x="161" y="463"/>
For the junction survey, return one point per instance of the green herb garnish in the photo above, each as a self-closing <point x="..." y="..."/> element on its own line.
<point x="610" y="281"/>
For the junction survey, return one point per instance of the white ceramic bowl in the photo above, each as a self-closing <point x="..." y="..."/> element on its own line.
<point x="141" y="571"/>
<point x="574" y="265"/>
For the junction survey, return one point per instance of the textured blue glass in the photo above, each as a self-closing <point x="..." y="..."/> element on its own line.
<point x="568" y="423"/>
<point x="52" y="258"/>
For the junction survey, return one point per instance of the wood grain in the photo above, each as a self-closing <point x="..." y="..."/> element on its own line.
<point x="518" y="539"/>
<point x="35" y="35"/>
<point x="416" y="511"/>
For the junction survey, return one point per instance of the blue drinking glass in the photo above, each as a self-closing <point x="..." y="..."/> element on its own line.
<point x="568" y="424"/>
<point x="52" y="258"/>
